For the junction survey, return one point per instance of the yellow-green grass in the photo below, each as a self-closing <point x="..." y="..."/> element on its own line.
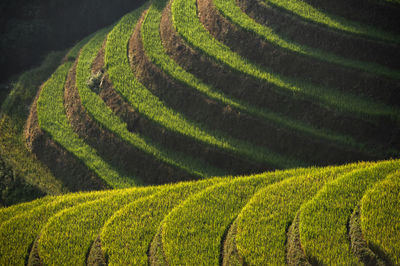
<point x="15" y="210"/>
<point x="308" y="12"/>
<point x="53" y="120"/>
<point x="261" y="240"/>
<point x="126" y="236"/>
<point x="68" y="235"/>
<point x="152" y="107"/>
<point x="100" y="112"/>
<point x="380" y="217"/>
<point x="18" y="234"/>
<point x="324" y="219"/>
<point x="13" y="115"/>
<point x="188" y="25"/>
<point x="192" y="233"/>
<point x="232" y="11"/>
<point x="154" y="49"/>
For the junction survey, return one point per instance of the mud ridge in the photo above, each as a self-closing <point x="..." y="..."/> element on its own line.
<point x="34" y="257"/>
<point x="230" y="254"/>
<point x="358" y="245"/>
<point x="294" y="252"/>
<point x="96" y="255"/>
<point x="156" y="253"/>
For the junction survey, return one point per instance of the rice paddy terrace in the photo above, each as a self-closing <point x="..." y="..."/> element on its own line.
<point x="179" y="92"/>
<point x="344" y="215"/>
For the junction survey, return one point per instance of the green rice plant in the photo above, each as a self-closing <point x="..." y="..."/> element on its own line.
<point x="15" y="210"/>
<point x="192" y="233"/>
<point x="324" y="219"/>
<point x="154" y="49"/>
<point x="68" y="235"/>
<point x="308" y="12"/>
<point x="380" y="217"/>
<point x="100" y="112"/>
<point x="53" y="120"/>
<point x="263" y="240"/>
<point x="188" y="25"/>
<point x="18" y="234"/>
<point x="233" y="12"/>
<point x="136" y="224"/>
<point x="150" y="106"/>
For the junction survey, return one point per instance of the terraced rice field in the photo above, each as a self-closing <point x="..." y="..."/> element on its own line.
<point x="236" y="132"/>
<point x="227" y="220"/>
<point x="172" y="92"/>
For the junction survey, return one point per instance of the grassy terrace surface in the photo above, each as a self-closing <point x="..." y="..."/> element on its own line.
<point x="260" y="240"/>
<point x="310" y="13"/>
<point x="380" y="217"/>
<point x="137" y="223"/>
<point x="15" y="210"/>
<point x="100" y="112"/>
<point x="324" y="219"/>
<point x="53" y="119"/>
<point x="18" y="234"/>
<point x="154" y="49"/>
<point x="233" y="12"/>
<point x="69" y="234"/>
<point x="152" y="107"/>
<point x="194" y="237"/>
<point x="195" y="216"/>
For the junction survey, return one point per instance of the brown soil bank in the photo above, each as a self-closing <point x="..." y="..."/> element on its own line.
<point x="295" y="65"/>
<point x="314" y="35"/>
<point x="262" y="94"/>
<point x="65" y="166"/>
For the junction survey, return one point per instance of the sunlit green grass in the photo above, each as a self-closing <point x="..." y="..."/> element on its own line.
<point x="260" y="240"/>
<point x="188" y="25"/>
<point x="68" y="235"/>
<point x="232" y="11"/>
<point x="15" y="210"/>
<point x="101" y="113"/>
<point x="323" y="220"/>
<point x="137" y="223"/>
<point x="53" y="119"/>
<point x="18" y="234"/>
<point x="380" y="217"/>
<point x="195" y="216"/>
<point x="192" y="233"/>
<point x="152" y="107"/>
